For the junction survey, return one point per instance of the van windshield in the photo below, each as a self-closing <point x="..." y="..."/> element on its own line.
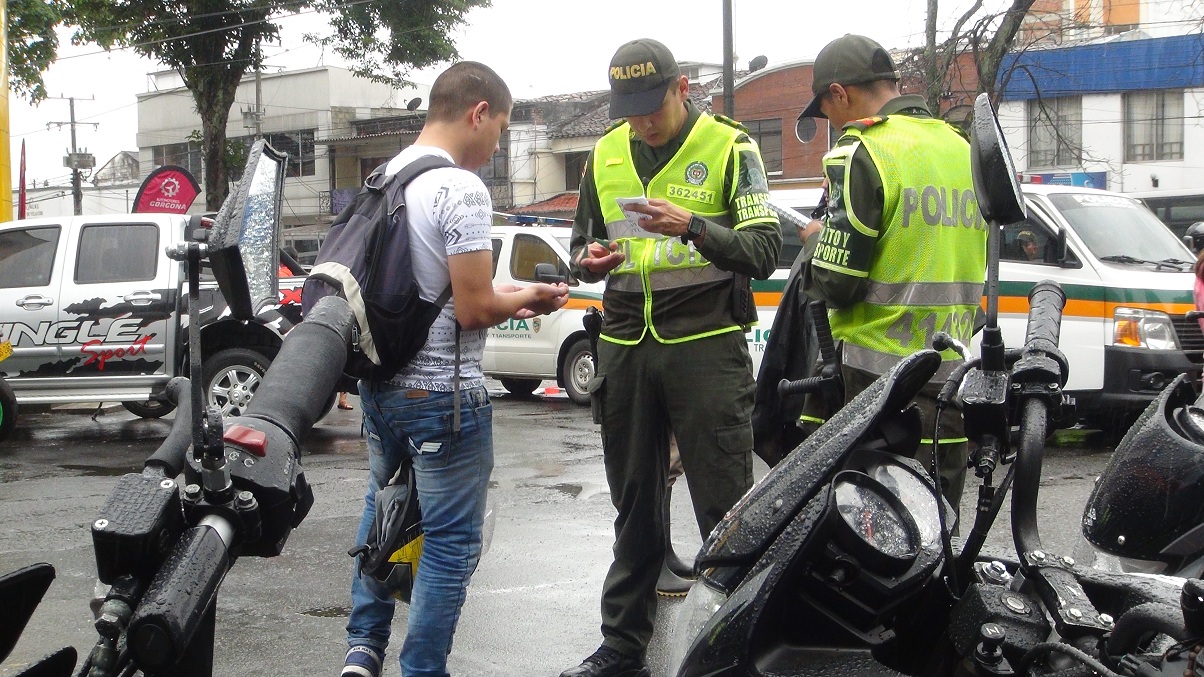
<point x="1120" y="230"/>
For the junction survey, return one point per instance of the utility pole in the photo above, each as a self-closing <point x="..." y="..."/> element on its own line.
<point x="75" y="160"/>
<point x="729" y="67"/>
<point x="253" y="119"/>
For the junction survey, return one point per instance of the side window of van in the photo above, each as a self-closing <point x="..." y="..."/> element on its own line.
<point x="529" y="250"/>
<point x="497" y="253"/>
<point x="1026" y="242"/>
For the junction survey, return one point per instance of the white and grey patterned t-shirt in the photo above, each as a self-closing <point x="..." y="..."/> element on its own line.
<point x="450" y="213"/>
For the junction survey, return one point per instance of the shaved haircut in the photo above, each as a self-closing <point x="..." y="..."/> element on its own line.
<point x="463" y="86"/>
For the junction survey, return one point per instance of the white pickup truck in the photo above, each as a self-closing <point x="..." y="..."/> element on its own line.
<point x="97" y="312"/>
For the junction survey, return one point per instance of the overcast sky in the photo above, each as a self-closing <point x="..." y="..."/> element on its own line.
<point x="538" y="46"/>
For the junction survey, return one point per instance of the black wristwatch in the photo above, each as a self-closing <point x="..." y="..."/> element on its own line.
<point x="694" y="230"/>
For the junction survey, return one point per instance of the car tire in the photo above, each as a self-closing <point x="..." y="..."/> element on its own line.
<point x="577" y="370"/>
<point x="8" y="410"/>
<point x="520" y="386"/>
<point x="149" y="408"/>
<point x="231" y="378"/>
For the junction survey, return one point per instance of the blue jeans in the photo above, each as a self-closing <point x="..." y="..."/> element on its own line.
<point x="452" y="473"/>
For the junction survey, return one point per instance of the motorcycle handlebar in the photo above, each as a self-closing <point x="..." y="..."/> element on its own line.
<point x="293" y="396"/>
<point x="171" y="456"/>
<point x="1045" y="303"/>
<point x="297" y="388"/>
<point x="181" y="593"/>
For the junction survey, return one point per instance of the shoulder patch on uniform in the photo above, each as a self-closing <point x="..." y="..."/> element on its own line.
<point x="865" y="123"/>
<point x="729" y="122"/>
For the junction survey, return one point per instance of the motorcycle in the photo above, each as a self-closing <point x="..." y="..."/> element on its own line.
<point x="841" y="560"/>
<point x="163" y="547"/>
<point x="1144" y="513"/>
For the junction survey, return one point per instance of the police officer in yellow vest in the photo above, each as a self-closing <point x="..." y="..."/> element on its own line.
<point x="673" y="355"/>
<point x="902" y="253"/>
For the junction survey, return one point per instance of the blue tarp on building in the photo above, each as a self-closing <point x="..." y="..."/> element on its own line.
<point x="1120" y="66"/>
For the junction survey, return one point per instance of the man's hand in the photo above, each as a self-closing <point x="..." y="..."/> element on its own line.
<point x="546" y="298"/>
<point x="600" y="259"/>
<point x="666" y="218"/>
<point x="811" y="229"/>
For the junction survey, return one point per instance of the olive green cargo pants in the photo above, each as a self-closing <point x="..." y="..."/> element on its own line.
<point x="702" y="392"/>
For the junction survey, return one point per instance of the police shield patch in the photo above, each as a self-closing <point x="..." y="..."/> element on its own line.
<point x="697" y="173"/>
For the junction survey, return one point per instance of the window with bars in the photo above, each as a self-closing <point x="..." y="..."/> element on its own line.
<point x="1154" y="125"/>
<point x="299" y="145"/>
<point x="1055" y="132"/>
<point x="186" y="155"/>
<point x="768" y="135"/>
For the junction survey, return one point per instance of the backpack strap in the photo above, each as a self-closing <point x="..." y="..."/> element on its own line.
<point x="404" y="176"/>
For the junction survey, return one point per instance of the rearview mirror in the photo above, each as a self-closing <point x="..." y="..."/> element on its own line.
<point x="805" y="129"/>
<point x="995" y="183"/>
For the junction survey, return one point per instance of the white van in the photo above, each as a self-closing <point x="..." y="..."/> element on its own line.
<point x="1128" y="283"/>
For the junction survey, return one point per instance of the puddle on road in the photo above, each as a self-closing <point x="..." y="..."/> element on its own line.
<point x="579" y="491"/>
<point x="329" y="612"/>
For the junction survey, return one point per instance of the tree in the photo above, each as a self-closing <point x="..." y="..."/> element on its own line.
<point x="32" y="45"/>
<point x="214" y="43"/>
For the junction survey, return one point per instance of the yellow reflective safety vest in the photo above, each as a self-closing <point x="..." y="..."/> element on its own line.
<point x="663" y="286"/>
<point x="927" y="271"/>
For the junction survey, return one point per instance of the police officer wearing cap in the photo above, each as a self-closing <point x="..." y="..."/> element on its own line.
<point x="901" y="254"/>
<point x="672" y="355"/>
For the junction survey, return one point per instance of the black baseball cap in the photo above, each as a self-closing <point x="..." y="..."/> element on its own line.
<point x="640" y="74"/>
<point x="848" y="60"/>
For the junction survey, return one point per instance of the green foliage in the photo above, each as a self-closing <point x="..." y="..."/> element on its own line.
<point x="32" y="45"/>
<point x="213" y="44"/>
<point x="235" y="155"/>
<point x="381" y="40"/>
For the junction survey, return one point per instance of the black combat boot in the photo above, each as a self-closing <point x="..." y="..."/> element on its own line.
<point x="607" y="662"/>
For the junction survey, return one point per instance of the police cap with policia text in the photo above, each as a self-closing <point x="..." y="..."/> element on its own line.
<point x="640" y="74"/>
<point x="848" y="60"/>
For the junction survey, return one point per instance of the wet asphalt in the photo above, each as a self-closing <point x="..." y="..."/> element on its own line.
<point x="532" y="608"/>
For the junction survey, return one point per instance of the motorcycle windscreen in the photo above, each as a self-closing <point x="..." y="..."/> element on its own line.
<point x="243" y="242"/>
<point x="752" y="524"/>
<point x="1149" y="502"/>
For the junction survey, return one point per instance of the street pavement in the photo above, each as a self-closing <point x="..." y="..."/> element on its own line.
<point x="533" y="605"/>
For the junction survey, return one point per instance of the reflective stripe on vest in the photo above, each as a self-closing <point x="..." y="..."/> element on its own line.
<point x="930" y="258"/>
<point x="653" y="263"/>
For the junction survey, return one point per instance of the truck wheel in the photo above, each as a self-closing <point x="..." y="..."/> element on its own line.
<point x="231" y="378"/>
<point x="520" y="386"/>
<point x="149" y="408"/>
<point x="8" y="410"/>
<point x="577" y="370"/>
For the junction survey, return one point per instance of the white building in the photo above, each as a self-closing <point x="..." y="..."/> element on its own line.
<point x="1118" y="103"/>
<point x="298" y="111"/>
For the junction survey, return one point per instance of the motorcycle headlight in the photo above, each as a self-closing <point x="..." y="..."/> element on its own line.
<point x="700" y="604"/>
<point x="1139" y="328"/>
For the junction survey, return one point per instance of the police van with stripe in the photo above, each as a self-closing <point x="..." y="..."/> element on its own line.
<point x="1128" y="281"/>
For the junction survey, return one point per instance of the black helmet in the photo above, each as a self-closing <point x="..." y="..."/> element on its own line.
<point x="1195" y="236"/>
<point x="1149" y="502"/>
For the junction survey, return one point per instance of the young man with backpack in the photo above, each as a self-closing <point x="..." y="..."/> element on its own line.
<point x="414" y="414"/>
